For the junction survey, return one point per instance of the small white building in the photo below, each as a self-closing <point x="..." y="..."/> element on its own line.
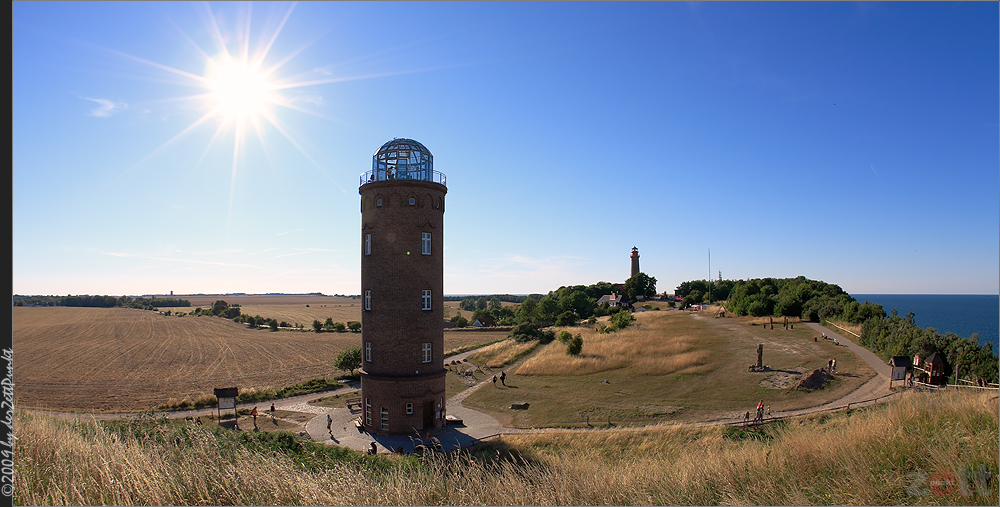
<point x="613" y="299"/>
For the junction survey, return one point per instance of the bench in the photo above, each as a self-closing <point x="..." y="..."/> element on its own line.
<point x="353" y="402"/>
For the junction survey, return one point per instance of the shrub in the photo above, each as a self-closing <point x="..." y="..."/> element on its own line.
<point x="566" y="318"/>
<point x="575" y="345"/>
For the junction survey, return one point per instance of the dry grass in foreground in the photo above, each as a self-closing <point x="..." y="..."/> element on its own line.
<point x="901" y="453"/>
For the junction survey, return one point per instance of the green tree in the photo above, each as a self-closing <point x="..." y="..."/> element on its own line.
<point x="273" y="324"/>
<point x="494" y="304"/>
<point x="354" y="326"/>
<point x="526" y="310"/>
<point x="547" y="309"/>
<point x="219" y="307"/>
<point x="640" y="285"/>
<point x="694" y="297"/>
<point x="317" y="326"/>
<point x="349" y="359"/>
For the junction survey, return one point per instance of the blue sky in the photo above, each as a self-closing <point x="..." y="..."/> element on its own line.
<point x="855" y="143"/>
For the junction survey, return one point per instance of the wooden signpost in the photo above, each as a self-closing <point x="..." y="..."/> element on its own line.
<point x="227" y="399"/>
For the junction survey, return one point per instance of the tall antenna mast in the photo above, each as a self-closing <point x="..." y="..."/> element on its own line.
<point x="709" y="276"/>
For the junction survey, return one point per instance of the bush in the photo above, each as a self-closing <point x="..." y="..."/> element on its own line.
<point x="566" y="318"/>
<point x="575" y="345"/>
<point x="526" y="332"/>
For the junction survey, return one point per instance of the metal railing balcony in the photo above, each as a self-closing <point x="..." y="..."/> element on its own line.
<point x="391" y="174"/>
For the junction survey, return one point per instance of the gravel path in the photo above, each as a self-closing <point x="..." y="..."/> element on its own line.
<point x="478" y="425"/>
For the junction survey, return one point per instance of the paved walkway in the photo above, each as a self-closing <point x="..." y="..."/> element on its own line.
<point x="475" y="427"/>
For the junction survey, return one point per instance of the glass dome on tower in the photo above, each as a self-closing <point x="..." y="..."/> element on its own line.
<point x="403" y="159"/>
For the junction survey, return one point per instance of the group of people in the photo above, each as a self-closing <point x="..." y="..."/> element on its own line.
<point x="254" y="413"/>
<point x="502" y="377"/>
<point x="762" y="411"/>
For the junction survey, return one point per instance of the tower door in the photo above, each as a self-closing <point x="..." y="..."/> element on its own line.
<point x="428" y="414"/>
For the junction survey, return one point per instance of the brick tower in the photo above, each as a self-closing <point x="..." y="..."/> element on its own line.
<point x="402" y="283"/>
<point x="635" y="262"/>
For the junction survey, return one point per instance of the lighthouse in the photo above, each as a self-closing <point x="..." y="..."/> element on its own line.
<point x="635" y="262"/>
<point x="402" y="284"/>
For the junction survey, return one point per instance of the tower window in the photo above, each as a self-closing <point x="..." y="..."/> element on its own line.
<point x="378" y="203"/>
<point x="409" y="408"/>
<point x="368" y="351"/>
<point x="368" y="244"/>
<point x="384" y="419"/>
<point x="428" y="353"/>
<point x="425" y="243"/>
<point x="426" y="300"/>
<point x="368" y="411"/>
<point x="413" y="202"/>
<point x="368" y="300"/>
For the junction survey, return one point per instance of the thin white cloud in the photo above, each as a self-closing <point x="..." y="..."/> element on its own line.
<point x="305" y="251"/>
<point x="184" y="261"/>
<point x="107" y="107"/>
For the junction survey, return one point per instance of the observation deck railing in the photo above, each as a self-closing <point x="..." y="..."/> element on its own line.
<point x="386" y="175"/>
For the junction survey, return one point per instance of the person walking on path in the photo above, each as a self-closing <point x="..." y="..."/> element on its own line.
<point x="254" y="414"/>
<point x="272" y="410"/>
<point x="494" y="380"/>
<point x="329" y="424"/>
<point x="503" y="378"/>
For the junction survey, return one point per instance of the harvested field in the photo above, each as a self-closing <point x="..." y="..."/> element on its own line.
<point x="110" y="359"/>
<point x="118" y="359"/>
<point x="294" y="309"/>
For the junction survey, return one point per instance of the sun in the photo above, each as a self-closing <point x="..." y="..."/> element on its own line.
<point x="240" y="91"/>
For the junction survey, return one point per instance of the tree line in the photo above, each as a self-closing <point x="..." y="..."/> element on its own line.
<point x="885" y="334"/>
<point x="150" y="303"/>
<point x="564" y="306"/>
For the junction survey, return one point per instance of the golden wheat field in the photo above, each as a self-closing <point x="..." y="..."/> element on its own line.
<point x="120" y="359"/>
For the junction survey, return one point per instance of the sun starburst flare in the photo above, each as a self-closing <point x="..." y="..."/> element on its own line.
<point x="239" y="90"/>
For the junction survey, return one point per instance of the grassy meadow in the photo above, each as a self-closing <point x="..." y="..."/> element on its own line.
<point x="668" y="366"/>
<point x="938" y="448"/>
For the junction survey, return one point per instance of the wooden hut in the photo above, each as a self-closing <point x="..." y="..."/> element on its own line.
<point x="932" y="369"/>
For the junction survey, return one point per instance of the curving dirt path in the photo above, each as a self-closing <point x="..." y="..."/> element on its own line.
<point x="478" y="425"/>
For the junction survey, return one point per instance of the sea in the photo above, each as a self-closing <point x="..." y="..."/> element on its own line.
<point x="962" y="314"/>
